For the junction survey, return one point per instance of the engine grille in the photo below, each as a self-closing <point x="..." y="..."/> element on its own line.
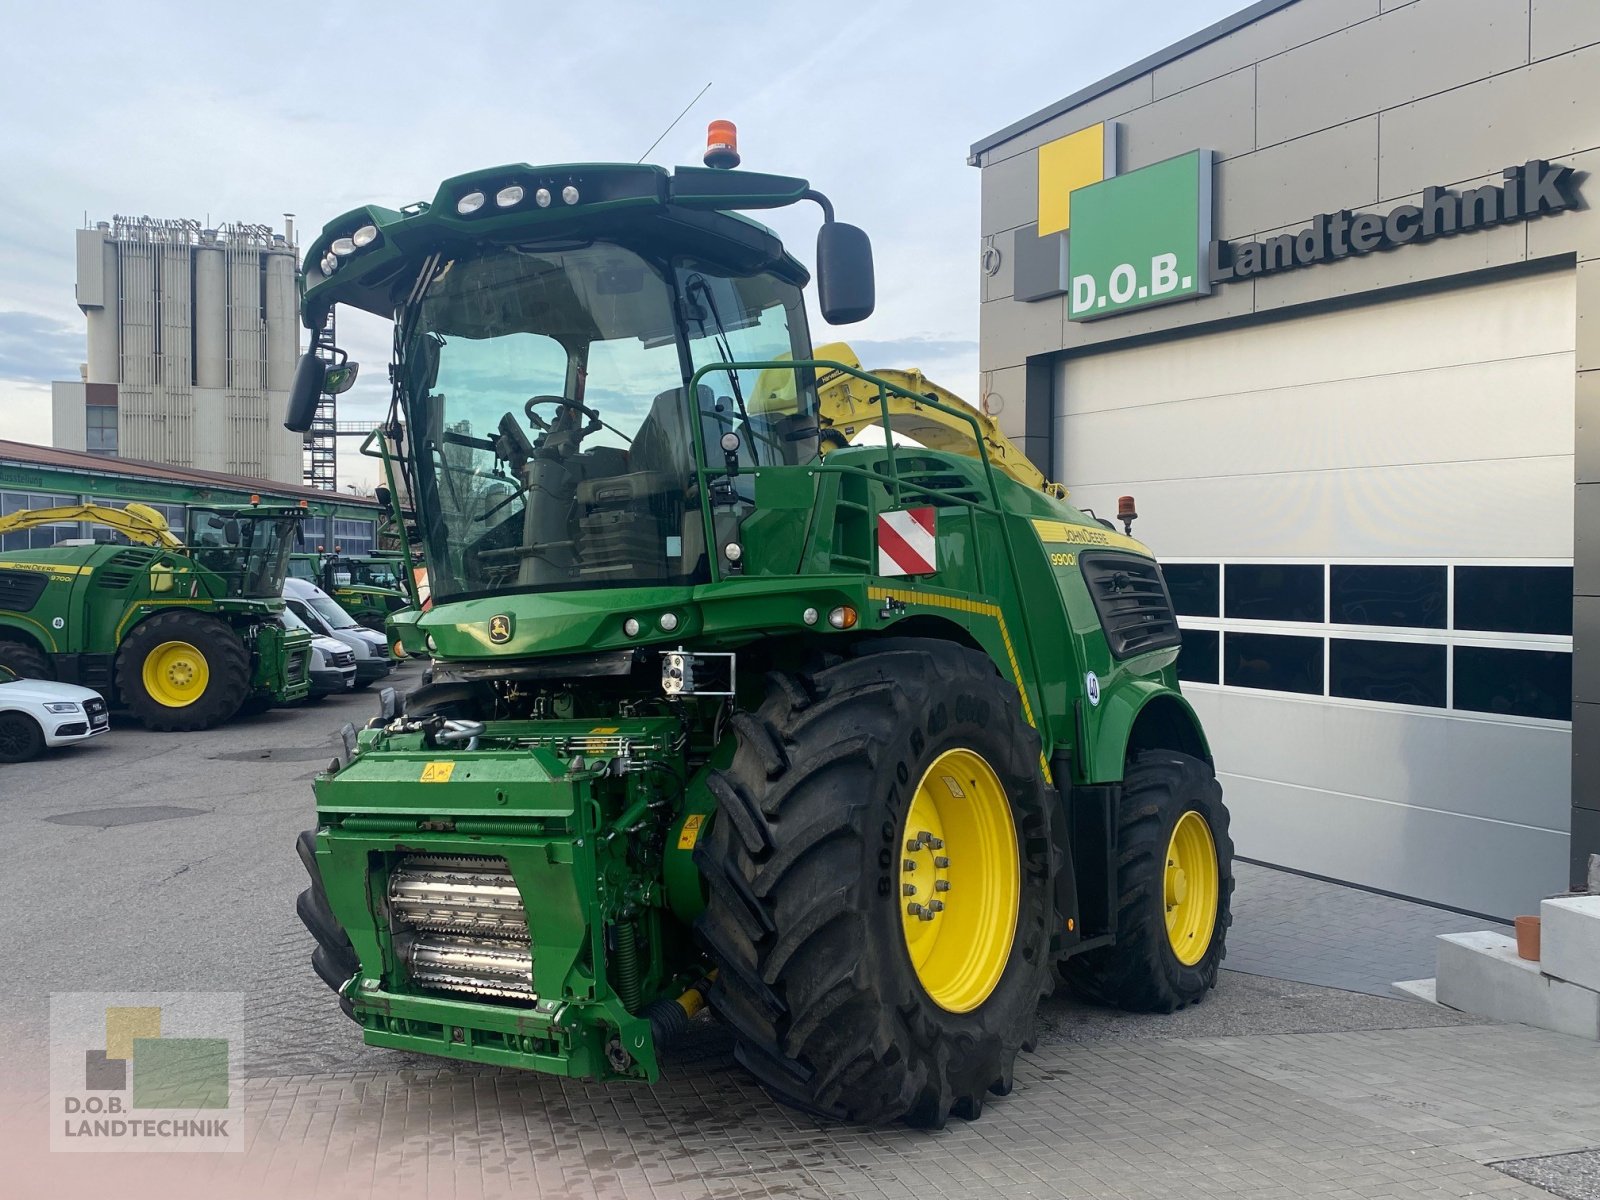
<point x="469" y="930"/>
<point x="1131" y="597"/>
<point x="344" y="658"/>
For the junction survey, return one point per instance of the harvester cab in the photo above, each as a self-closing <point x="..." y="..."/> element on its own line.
<point x="864" y="742"/>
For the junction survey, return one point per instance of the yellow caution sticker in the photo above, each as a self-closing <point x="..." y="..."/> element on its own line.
<point x="691" y="831"/>
<point x="438" y="772"/>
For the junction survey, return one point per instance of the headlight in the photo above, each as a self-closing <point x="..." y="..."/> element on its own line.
<point x="343" y="247"/>
<point x="507" y="196"/>
<point x="542" y="197"/>
<point x="365" y="236"/>
<point x="64" y="706"/>
<point x="470" y="203"/>
<point x="569" y="194"/>
<point x="330" y="264"/>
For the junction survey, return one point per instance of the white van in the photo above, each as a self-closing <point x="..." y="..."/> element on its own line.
<point x="323" y="615"/>
<point x="333" y="664"/>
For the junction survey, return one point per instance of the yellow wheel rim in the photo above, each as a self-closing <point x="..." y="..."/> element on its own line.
<point x="959" y="880"/>
<point x="1190" y="888"/>
<point x="175" y="674"/>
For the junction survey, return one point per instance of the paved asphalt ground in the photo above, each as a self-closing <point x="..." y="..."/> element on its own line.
<point x="1298" y="1076"/>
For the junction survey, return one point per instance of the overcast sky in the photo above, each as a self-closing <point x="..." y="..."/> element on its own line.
<point x="242" y="113"/>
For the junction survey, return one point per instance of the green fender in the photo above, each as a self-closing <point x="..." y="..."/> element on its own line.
<point x="29" y="629"/>
<point x="1176" y="728"/>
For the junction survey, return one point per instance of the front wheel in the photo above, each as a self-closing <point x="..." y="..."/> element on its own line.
<point x="879" y="885"/>
<point x="20" y="737"/>
<point x="1174" y="890"/>
<point x="183" y="671"/>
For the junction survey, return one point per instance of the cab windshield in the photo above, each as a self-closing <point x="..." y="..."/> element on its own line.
<point x="549" y="430"/>
<point x="249" y="550"/>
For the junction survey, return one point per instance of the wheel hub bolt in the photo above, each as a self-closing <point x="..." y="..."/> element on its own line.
<point x="909" y="864"/>
<point x="914" y="909"/>
<point x="941" y="885"/>
<point x="908" y="889"/>
<point x="941" y="861"/>
<point x="936" y="906"/>
<point x="924" y="838"/>
<point x="936" y="843"/>
<point x="912" y="845"/>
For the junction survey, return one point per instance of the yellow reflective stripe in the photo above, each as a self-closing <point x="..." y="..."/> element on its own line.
<point x="1086" y="535"/>
<point x="980" y="608"/>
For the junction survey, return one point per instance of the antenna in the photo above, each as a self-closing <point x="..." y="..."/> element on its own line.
<point x="675" y="120"/>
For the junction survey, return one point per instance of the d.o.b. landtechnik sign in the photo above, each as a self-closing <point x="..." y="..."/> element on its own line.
<point x="1141" y="238"/>
<point x="1114" y="243"/>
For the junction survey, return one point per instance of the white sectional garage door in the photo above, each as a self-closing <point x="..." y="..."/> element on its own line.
<point x="1369" y="517"/>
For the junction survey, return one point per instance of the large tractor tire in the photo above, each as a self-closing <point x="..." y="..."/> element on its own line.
<point x="25" y="661"/>
<point x="878" y="877"/>
<point x="1174" y="890"/>
<point x="183" y="671"/>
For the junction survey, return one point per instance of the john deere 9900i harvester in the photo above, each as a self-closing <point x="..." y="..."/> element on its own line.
<point x="867" y="745"/>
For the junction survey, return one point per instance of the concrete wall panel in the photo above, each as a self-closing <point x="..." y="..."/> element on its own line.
<point x="1291" y="182"/>
<point x="1587" y="456"/>
<point x="1010" y="193"/>
<point x="1561" y="25"/>
<point x="1219" y="115"/>
<point x="1586" y="553"/>
<point x="1114" y="103"/>
<point x="1403" y="55"/>
<point x="1549" y="110"/>
<point x="1284" y="29"/>
<point x="999" y="285"/>
<point x="1008" y="331"/>
<point x="1586" y="644"/>
<point x="1588" y="331"/>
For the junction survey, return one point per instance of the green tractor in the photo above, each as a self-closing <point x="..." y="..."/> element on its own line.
<point x="866" y="746"/>
<point x="367" y="586"/>
<point x="184" y="635"/>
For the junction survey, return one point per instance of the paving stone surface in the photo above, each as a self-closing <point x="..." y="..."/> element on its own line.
<point x="1292" y="927"/>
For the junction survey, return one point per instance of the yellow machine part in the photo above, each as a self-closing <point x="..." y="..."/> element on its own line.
<point x="139" y="523"/>
<point x="849" y="405"/>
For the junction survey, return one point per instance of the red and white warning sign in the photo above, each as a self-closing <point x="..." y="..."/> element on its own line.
<point x="906" y="542"/>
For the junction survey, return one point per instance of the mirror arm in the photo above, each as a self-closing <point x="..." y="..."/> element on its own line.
<point x="822" y="202"/>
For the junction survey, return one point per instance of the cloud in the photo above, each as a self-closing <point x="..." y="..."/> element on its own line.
<point x="37" y="349"/>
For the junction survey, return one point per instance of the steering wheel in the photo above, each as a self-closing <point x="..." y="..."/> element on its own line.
<point x="543" y="426"/>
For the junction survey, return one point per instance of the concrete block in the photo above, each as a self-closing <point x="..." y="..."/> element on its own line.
<point x="1425" y="990"/>
<point x="1480" y="973"/>
<point x="1570" y="940"/>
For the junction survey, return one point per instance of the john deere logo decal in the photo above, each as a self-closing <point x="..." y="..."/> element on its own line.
<point x="500" y="628"/>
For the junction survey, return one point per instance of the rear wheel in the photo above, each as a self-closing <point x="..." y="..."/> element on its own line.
<point x="183" y="671"/>
<point x="20" y="737"/>
<point x="879" y="885"/>
<point x="1174" y="890"/>
<point x="25" y="661"/>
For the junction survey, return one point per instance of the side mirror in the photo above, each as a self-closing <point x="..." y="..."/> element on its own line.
<point x="845" y="289"/>
<point x="230" y="531"/>
<point x="338" y="380"/>
<point x="381" y="495"/>
<point x="304" y="392"/>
